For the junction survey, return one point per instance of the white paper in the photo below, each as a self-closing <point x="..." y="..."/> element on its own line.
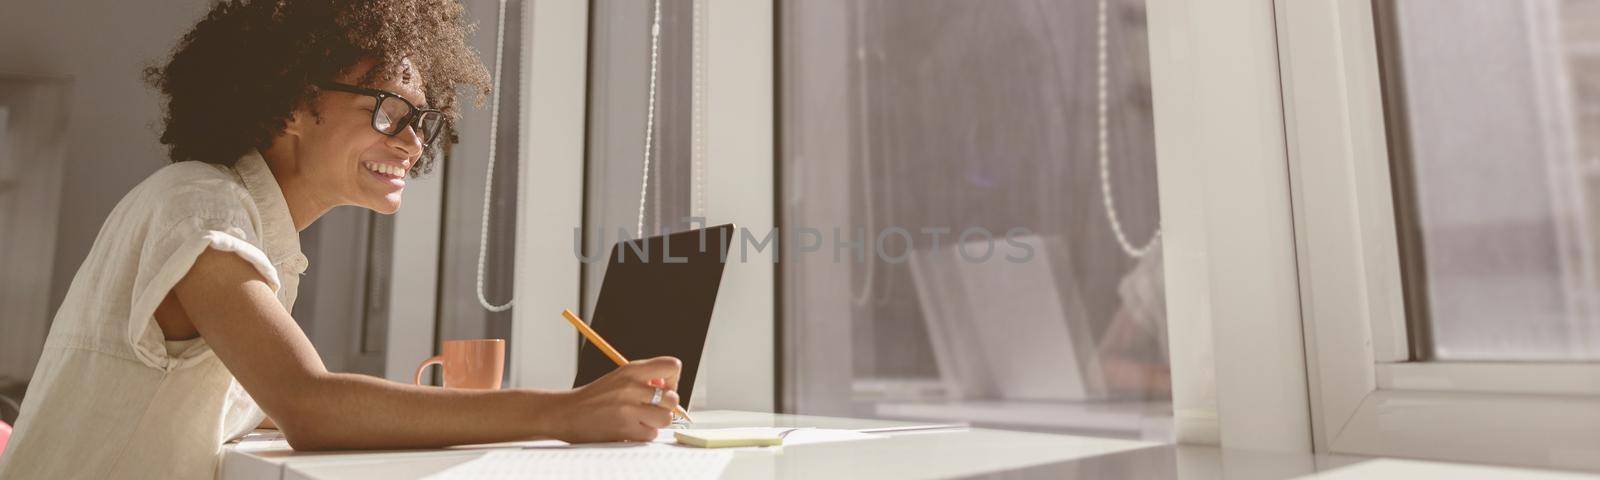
<point x="795" y="436"/>
<point x="592" y="463"/>
<point x="665" y="439"/>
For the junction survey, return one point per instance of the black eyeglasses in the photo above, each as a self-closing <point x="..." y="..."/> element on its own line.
<point x="394" y="113"/>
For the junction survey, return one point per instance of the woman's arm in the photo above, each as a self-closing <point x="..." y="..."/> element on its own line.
<point x="237" y="313"/>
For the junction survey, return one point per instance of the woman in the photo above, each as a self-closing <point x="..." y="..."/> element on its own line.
<point x="175" y="336"/>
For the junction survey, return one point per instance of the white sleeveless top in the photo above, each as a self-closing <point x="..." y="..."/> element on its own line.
<point x="111" y="398"/>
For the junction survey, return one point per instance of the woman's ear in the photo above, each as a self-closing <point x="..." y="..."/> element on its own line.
<point x="294" y="128"/>
<point x="298" y="120"/>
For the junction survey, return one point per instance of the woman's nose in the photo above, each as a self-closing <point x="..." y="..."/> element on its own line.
<point x="408" y="141"/>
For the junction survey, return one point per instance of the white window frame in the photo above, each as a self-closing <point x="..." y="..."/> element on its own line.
<point x="738" y="370"/>
<point x="1233" y="302"/>
<point x="554" y="63"/>
<point x="1282" y="269"/>
<point x="736" y="139"/>
<point x="1366" y="396"/>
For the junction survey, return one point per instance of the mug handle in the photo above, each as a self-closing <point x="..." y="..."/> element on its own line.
<point x="435" y="360"/>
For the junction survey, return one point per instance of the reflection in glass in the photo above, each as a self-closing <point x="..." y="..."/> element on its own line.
<point x="907" y="127"/>
<point x="1494" y="116"/>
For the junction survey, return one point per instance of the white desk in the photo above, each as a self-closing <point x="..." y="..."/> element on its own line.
<point x="938" y="454"/>
<point x="941" y="454"/>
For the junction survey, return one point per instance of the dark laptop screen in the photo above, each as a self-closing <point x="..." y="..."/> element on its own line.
<point x="656" y="300"/>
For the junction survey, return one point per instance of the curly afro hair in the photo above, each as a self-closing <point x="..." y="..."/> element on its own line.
<point x="234" y="80"/>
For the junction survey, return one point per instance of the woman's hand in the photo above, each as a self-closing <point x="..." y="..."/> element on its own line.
<point x="1123" y="354"/>
<point x="617" y="406"/>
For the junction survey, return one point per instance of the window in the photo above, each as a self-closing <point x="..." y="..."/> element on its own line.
<point x="1495" y="133"/>
<point x="450" y="207"/>
<point x="1437" y="150"/>
<point x="619" y="96"/>
<point x="917" y="136"/>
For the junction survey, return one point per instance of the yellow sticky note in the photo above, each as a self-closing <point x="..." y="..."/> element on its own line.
<point x="727" y="438"/>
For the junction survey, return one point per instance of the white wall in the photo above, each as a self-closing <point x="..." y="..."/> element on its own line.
<point x="112" y="144"/>
<point x="113" y="127"/>
<point x="33" y="116"/>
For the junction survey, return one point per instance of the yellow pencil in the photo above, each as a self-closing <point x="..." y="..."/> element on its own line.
<point x="606" y="348"/>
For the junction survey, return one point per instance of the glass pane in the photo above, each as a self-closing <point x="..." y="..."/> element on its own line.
<point x="918" y="135"/>
<point x="619" y="81"/>
<point x="460" y="315"/>
<point x="1494" y="112"/>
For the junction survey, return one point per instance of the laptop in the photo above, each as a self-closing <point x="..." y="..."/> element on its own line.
<point x="656" y="300"/>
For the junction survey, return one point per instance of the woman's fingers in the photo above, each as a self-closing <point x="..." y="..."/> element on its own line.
<point x="652" y="416"/>
<point x="642" y="393"/>
<point x="669" y="400"/>
<point x="642" y="433"/>
<point x="648" y="416"/>
<point x="665" y="368"/>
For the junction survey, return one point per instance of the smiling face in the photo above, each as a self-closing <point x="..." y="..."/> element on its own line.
<point x="340" y="159"/>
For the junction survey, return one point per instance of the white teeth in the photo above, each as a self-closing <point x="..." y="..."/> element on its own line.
<point x="389" y="170"/>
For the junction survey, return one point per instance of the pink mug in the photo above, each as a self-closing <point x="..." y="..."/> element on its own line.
<point x="476" y="364"/>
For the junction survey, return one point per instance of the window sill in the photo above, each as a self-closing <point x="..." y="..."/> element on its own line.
<point x="1549" y="431"/>
<point x="1148" y="420"/>
<point x="1520" y="378"/>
